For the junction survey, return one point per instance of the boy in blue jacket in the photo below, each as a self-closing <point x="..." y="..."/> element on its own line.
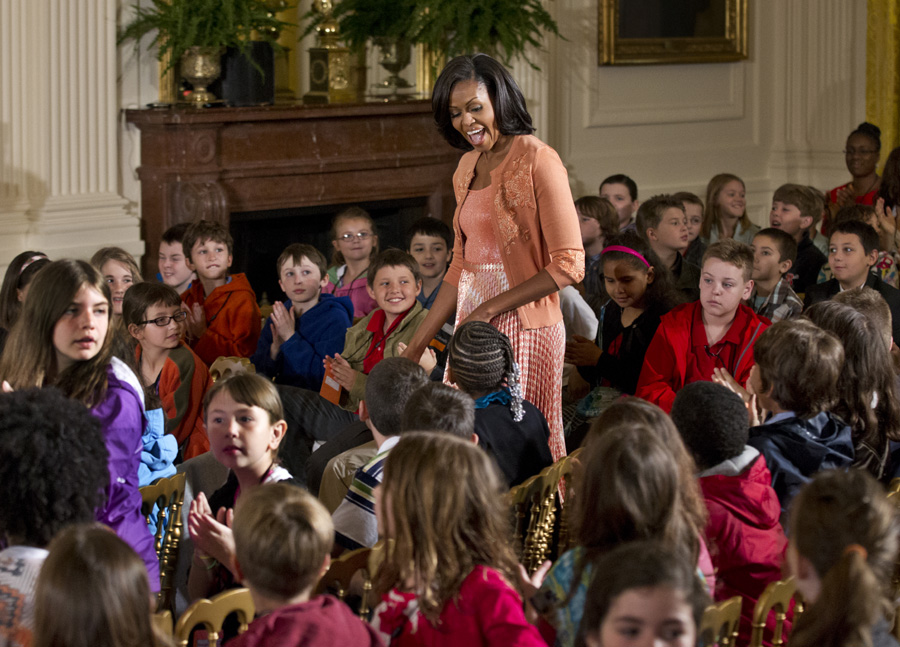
<point x="795" y="378"/>
<point x="307" y="326"/>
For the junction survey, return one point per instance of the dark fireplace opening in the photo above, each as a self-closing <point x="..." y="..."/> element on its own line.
<point x="261" y="236"/>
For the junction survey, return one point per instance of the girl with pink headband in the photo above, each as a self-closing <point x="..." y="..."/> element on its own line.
<point x="641" y="290"/>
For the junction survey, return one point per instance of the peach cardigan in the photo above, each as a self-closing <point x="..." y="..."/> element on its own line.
<point x="534" y="223"/>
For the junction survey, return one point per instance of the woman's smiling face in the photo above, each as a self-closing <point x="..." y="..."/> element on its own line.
<point x="472" y="114"/>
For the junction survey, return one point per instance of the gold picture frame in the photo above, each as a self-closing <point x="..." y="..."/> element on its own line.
<point x="654" y="32"/>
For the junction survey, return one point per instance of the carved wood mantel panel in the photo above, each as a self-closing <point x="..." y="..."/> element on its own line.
<point x="209" y="163"/>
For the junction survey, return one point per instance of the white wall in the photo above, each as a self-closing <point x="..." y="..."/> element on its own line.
<point x="67" y="162"/>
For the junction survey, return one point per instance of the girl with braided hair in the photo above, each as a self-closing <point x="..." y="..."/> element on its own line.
<point x="511" y="429"/>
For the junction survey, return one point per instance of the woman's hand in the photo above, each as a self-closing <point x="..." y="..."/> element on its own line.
<point x="481" y="313"/>
<point x="581" y="351"/>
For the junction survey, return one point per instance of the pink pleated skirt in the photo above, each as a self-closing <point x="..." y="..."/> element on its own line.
<point x="538" y="351"/>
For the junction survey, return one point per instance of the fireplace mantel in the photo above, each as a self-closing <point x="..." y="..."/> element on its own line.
<point x="210" y="163"/>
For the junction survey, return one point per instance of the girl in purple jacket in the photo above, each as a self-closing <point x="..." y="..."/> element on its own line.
<point x="61" y="340"/>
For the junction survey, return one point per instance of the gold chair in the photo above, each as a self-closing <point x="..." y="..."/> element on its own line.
<point x="720" y="623"/>
<point x="168" y="495"/>
<point x="534" y="509"/>
<point x="338" y="577"/>
<point x="567" y="479"/>
<point x="228" y="366"/>
<point x="212" y="613"/>
<point x="777" y="597"/>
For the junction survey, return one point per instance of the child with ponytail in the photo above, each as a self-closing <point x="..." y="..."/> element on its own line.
<point x="842" y="551"/>
<point x="509" y="428"/>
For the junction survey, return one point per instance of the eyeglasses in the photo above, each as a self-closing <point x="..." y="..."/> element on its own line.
<point x="850" y="152"/>
<point x="162" y="322"/>
<point x="361" y="235"/>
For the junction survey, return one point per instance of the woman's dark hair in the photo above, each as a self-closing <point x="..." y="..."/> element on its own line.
<point x="507" y="100"/>
<point x="890" y="180"/>
<point x="871" y="131"/>
<point x="638" y="565"/>
<point x="18" y="275"/>
<point x="662" y="292"/>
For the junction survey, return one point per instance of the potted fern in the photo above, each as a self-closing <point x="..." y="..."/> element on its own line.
<point x="195" y="33"/>
<point x="502" y="28"/>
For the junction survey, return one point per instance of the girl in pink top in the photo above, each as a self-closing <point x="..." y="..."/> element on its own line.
<point x="445" y="579"/>
<point x="355" y="242"/>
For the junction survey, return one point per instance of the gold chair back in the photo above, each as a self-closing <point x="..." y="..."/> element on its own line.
<point x="777" y="597"/>
<point x="720" y="623"/>
<point x="168" y="495"/>
<point x="212" y="613"/>
<point x="162" y="622"/>
<point x="228" y="366"/>
<point x="567" y="481"/>
<point x="338" y="577"/>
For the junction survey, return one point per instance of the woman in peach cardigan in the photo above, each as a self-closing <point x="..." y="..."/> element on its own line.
<point x="517" y="239"/>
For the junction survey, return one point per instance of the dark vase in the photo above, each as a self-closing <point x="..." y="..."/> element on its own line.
<point x="242" y="83"/>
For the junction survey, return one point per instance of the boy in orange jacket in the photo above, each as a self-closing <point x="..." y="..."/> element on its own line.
<point x="223" y="317"/>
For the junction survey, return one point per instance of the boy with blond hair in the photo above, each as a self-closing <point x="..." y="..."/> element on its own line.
<point x="282" y="539"/>
<point x="223" y="317"/>
<point x="711" y="336"/>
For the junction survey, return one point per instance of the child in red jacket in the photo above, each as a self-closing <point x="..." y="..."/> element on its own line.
<point x="223" y="317"/>
<point x="743" y="534"/>
<point x="714" y="334"/>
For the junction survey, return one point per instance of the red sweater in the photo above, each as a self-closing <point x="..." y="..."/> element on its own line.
<point x="745" y="539"/>
<point x="680" y="353"/>
<point x="322" y="622"/>
<point x="487" y="611"/>
<point x="232" y="318"/>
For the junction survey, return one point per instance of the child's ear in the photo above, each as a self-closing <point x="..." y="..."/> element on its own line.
<point x="326" y="564"/>
<point x="136" y="331"/>
<point x="872" y="258"/>
<point x="475" y="438"/>
<point x="323" y="281"/>
<point x="748" y="290"/>
<point x="785" y="266"/>
<point x="230" y="258"/>
<point x="651" y="275"/>
<point x="363" y="411"/>
<point x="651" y="234"/>
<point x="278" y="431"/>
<point x="189" y="263"/>
<point x="419" y="285"/>
<point x="370" y="291"/>
<point x="806" y="222"/>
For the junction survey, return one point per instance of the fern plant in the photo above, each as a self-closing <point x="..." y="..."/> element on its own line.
<point x="181" y="24"/>
<point x="502" y="28"/>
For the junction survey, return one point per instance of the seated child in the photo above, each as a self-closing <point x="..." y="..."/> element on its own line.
<point x="867" y="388"/>
<point x="438" y="407"/>
<point x="173" y="267"/>
<point x="633" y="486"/>
<point x="794" y="211"/>
<point x="430" y="242"/>
<point x="773" y="256"/>
<point x="393" y="281"/>
<point x="166" y="367"/>
<point x="16" y="282"/>
<point x="223" y="318"/>
<point x="885" y="266"/>
<point x="745" y="539"/>
<point x="795" y="379"/>
<point x="622" y="192"/>
<point x="843" y="554"/>
<point x="693" y="209"/>
<point x="662" y="222"/>
<point x="644" y="589"/>
<point x="715" y="333"/>
<point x="245" y="423"/>
<point x="389" y="386"/>
<point x="355" y="242"/>
<point x="509" y="428"/>
<point x="853" y="252"/>
<point x="282" y="541"/>
<point x="599" y="223"/>
<point x="119" y="271"/>
<point x="42" y="433"/>
<point x="93" y="590"/>
<point x="307" y="327"/>
<point x="726" y="211"/>
<point x="642" y="290"/>
<point x="442" y="505"/>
